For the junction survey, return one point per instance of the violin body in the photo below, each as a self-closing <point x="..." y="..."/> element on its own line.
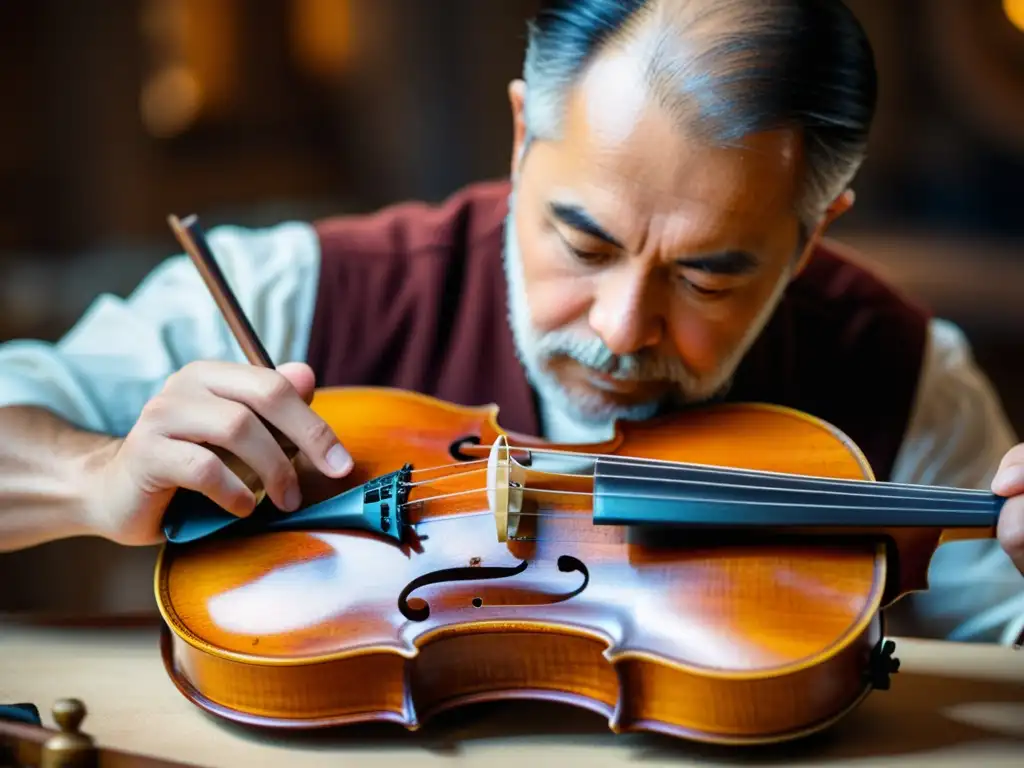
<point x="710" y="636"/>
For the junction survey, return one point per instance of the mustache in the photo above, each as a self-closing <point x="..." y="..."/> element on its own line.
<point x="591" y="352"/>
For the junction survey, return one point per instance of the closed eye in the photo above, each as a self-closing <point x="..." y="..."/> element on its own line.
<point x="726" y="263"/>
<point x="591" y="258"/>
<point x="703" y="290"/>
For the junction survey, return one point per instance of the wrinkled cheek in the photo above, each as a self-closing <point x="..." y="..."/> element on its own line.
<point x="557" y="297"/>
<point x="559" y="302"/>
<point x="701" y="345"/>
<point x="706" y="339"/>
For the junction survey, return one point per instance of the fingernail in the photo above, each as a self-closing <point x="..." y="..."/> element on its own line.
<point x="338" y="459"/>
<point x="292" y="498"/>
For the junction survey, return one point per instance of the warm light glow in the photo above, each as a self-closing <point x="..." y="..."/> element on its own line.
<point x="1014" y="10"/>
<point x="170" y="102"/>
<point x="193" y="62"/>
<point x="320" y="35"/>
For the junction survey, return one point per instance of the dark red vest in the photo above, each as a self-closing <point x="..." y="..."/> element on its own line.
<point x="414" y="296"/>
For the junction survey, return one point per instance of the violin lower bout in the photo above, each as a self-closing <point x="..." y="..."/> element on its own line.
<point x="504" y="661"/>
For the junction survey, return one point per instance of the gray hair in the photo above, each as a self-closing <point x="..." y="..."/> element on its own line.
<point x="747" y="66"/>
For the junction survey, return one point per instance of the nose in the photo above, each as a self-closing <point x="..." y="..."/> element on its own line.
<point x="625" y="314"/>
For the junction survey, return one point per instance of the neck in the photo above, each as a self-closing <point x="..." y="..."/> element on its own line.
<point x="628" y="492"/>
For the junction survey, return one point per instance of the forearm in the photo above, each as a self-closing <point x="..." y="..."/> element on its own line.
<point x="100" y="375"/>
<point x="48" y="472"/>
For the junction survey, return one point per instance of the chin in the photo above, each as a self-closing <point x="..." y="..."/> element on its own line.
<point x="593" y="406"/>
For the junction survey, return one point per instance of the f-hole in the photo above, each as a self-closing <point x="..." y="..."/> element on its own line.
<point x="468" y="573"/>
<point x="455" y="449"/>
<point x="566" y="564"/>
<point x="570" y="564"/>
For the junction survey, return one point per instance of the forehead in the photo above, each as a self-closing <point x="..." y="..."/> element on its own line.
<point x="626" y="158"/>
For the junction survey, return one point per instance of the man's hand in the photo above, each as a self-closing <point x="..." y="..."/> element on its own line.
<point x="1009" y="482"/>
<point x="216" y="404"/>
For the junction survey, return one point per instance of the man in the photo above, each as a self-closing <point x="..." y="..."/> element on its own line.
<point x="675" y="166"/>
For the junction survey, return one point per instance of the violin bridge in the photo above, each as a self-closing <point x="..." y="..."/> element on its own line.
<point x="505" y="484"/>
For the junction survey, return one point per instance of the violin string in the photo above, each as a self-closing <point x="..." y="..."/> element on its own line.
<point x="428" y="481"/>
<point x="855" y="489"/>
<point x="655" y="497"/>
<point x="582" y="515"/>
<point x="629" y="461"/>
<point x="869" y="490"/>
<point x="459" y="464"/>
<point x="464" y="515"/>
<point x="859" y="485"/>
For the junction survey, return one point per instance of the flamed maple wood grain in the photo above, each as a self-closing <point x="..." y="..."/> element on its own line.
<point x="711" y="637"/>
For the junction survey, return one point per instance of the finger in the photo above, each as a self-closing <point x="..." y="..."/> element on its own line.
<point x="232" y="426"/>
<point x="1010" y="530"/>
<point x="301" y="377"/>
<point x="1009" y="479"/>
<point x="315" y="485"/>
<point x="181" y="464"/>
<point x="272" y="396"/>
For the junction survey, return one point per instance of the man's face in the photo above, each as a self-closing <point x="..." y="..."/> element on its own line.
<point x="642" y="264"/>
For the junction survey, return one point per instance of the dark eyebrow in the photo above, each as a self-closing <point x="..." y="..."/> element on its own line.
<point x="575" y="217"/>
<point x="733" y="262"/>
<point x="724" y="263"/>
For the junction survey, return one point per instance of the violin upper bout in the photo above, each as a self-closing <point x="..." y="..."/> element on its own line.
<point x="758" y="436"/>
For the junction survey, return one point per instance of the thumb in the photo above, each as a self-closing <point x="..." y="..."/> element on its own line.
<point x="301" y="377"/>
<point x="1009" y="479"/>
<point x="1010" y="531"/>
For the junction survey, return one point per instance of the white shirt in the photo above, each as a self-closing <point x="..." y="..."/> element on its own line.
<point x="117" y="356"/>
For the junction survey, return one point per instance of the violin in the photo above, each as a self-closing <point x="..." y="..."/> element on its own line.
<point x="716" y="575"/>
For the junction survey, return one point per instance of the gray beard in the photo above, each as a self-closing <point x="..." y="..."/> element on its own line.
<point x="536" y="349"/>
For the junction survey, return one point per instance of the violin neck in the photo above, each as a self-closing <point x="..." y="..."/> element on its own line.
<point x="650" y="493"/>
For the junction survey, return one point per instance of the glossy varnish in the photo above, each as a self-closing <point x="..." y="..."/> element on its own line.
<point x="706" y="636"/>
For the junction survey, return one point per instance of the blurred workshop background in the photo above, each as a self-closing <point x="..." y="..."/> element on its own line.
<point x="118" y="112"/>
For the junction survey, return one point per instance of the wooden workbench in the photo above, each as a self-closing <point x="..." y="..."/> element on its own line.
<point x="955" y="705"/>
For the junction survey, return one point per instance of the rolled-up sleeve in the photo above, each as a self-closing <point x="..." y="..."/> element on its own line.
<point x="958" y="435"/>
<point x="120" y="352"/>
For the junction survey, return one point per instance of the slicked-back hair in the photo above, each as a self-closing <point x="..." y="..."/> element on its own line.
<point x="726" y="69"/>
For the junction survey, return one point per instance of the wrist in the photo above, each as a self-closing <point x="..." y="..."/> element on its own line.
<point x="89" y="477"/>
<point x="47" y="478"/>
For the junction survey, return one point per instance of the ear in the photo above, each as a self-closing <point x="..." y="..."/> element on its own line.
<point x="517" y="99"/>
<point x="839" y="206"/>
